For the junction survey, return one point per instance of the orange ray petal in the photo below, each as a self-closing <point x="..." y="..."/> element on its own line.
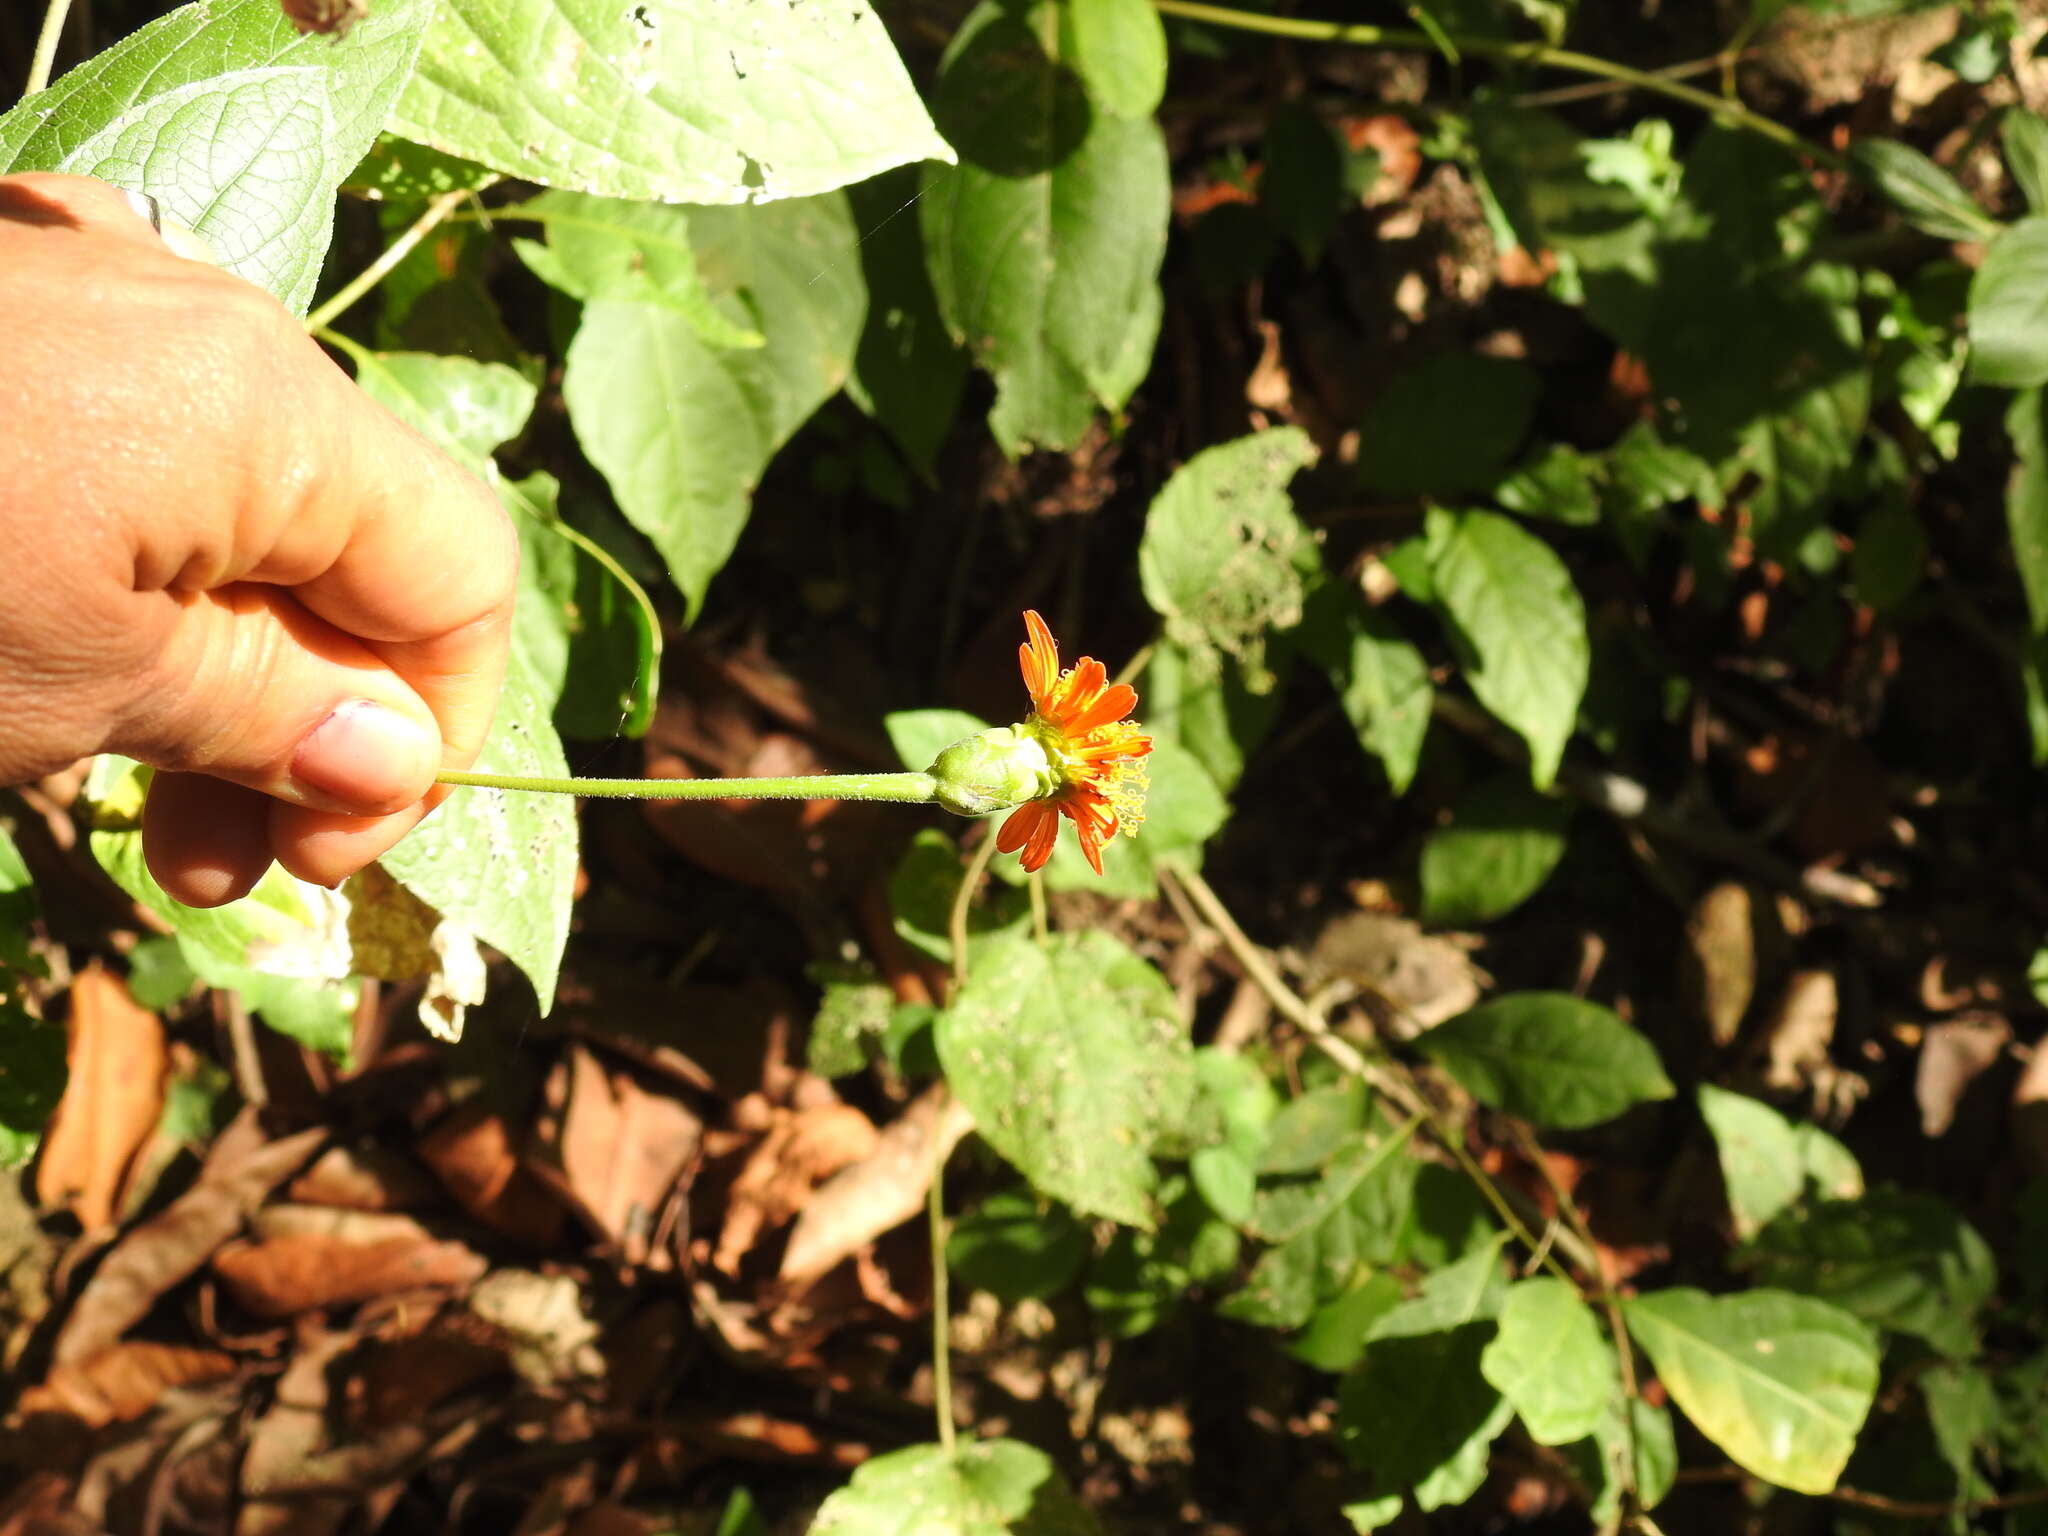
<point x="1043" y="837"/>
<point x="1023" y="824"/>
<point x="1040" y="658"/>
<point x="1110" y="706"/>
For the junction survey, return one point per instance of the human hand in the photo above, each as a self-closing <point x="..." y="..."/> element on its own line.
<point x="220" y="557"/>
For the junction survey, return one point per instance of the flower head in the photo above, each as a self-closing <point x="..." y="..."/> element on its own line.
<point x="1096" y="756"/>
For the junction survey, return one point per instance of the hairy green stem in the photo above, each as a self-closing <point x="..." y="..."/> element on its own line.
<point x="436" y="211"/>
<point x="45" y="57"/>
<point x="963" y="899"/>
<point x="1540" y="54"/>
<point x="942" y="1312"/>
<point x="895" y="788"/>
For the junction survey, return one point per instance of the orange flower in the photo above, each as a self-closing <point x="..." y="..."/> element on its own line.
<point x="1099" y="756"/>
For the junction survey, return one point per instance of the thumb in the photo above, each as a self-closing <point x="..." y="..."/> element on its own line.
<point x="249" y="687"/>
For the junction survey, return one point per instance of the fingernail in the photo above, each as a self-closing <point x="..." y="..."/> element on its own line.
<point x="367" y="756"/>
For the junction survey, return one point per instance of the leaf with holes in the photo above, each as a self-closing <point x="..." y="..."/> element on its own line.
<point x="1224" y="560"/>
<point x="500" y="863"/>
<point x="1075" y="1061"/>
<point x="675" y="101"/>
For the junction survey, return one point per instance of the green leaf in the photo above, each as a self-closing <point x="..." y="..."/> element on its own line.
<point x="1830" y="1167"/>
<point x="1761" y="1166"/>
<point x="1417" y="1403"/>
<point x="1381" y="679"/>
<point x="2025" y="136"/>
<point x="607" y="248"/>
<point x="1467" y="1291"/>
<point x="1044" y="245"/>
<point x="683" y="429"/>
<point x="1074" y="1061"/>
<point x="587" y="630"/>
<point x="467" y="407"/>
<point x="1502" y="844"/>
<point x="1216" y="717"/>
<point x="1927" y="195"/>
<point x="398" y="170"/>
<point x="920" y="735"/>
<point x="1302" y="187"/>
<point x="1330" y="1231"/>
<point x="159" y="976"/>
<point x="908" y="372"/>
<point x="1518" y="626"/>
<point x="677" y="101"/>
<point x="1141" y="1278"/>
<point x="1553" y="1059"/>
<point x="2009" y="308"/>
<point x="240" y="127"/>
<point x="1558" y="484"/>
<point x="2026" y="500"/>
<point x="984" y="1488"/>
<point x="33" y="1070"/>
<point x="1551" y="1362"/>
<point x="282" y="920"/>
<point x="502" y="863"/>
<point x="1224" y="560"/>
<point x="1903" y="1261"/>
<point x="1447" y="426"/>
<point x="922" y="889"/>
<point x="852" y="1018"/>
<point x="1598" y="1461"/>
<point x="1313" y="1127"/>
<point x="1781" y="1383"/>
<point x="1119" y="49"/>
<point x="17" y="908"/>
<point x="1017" y="1246"/>
<point x="1890" y="558"/>
<point x="1337" y="1333"/>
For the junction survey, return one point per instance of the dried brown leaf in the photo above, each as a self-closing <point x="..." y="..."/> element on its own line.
<point x="124" y="1381"/>
<point x="1953" y="1055"/>
<point x="474" y="1153"/>
<point x="365" y="1178"/>
<point x="111" y="1104"/>
<point x="888" y="1186"/>
<point x="278" y="1277"/>
<point x="802" y="1148"/>
<point x="242" y="1168"/>
<point x="1721" y="951"/>
<point x="622" y="1147"/>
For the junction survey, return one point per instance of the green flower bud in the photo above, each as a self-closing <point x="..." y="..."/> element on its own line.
<point x="993" y="771"/>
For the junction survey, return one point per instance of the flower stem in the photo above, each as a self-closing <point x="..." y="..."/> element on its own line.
<point x="375" y="273"/>
<point x="963" y="899"/>
<point x="1541" y="54"/>
<point x="45" y="58"/>
<point x="942" y="1313"/>
<point x="897" y="788"/>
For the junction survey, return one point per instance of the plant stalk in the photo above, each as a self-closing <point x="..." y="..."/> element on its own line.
<point x="378" y="270"/>
<point x="44" y="59"/>
<point x="895" y="788"/>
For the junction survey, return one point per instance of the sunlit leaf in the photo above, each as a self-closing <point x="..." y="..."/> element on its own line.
<point x="679" y="101"/>
<point x="1549" y="1057"/>
<point x="1781" y="1383"/>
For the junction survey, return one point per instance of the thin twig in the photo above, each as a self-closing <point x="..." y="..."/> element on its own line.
<point x="1630" y="803"/>
<point x="1386" y="1078"/>
<point x="45" y="57"/>
<point x="437" y="209"/>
